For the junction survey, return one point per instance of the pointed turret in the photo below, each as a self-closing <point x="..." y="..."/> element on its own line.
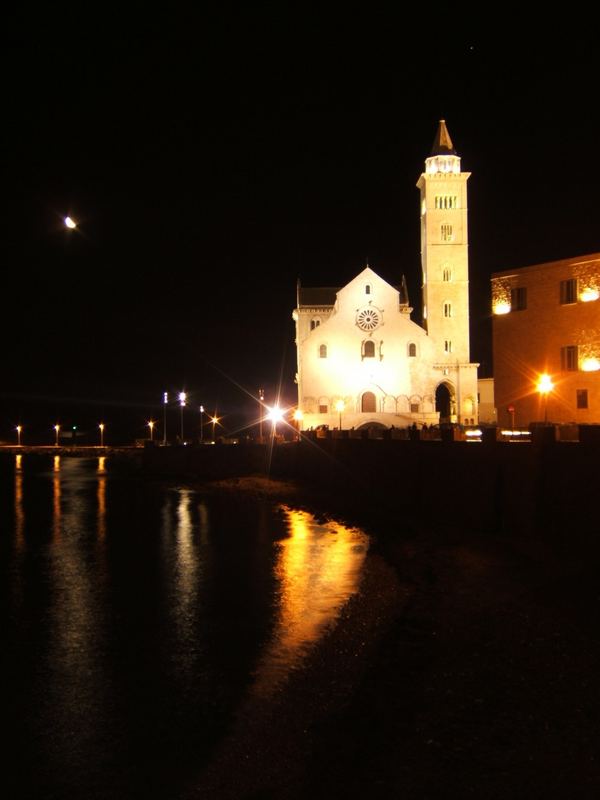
<point x="404" y="293"/>
<point x="442" y="145"/>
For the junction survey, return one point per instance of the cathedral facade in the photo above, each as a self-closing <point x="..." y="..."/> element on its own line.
<point x="362" y="361"/>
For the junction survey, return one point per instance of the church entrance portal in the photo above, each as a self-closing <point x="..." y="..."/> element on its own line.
<point x="443" y="402"/>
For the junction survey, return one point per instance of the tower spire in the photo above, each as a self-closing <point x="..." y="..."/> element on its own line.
<point x="442" y="145"/>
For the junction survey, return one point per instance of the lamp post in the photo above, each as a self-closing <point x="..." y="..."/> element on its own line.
<point x="151" y="426"/>
<point x="544" y="387"/>
<point x="165" y="401"/>
<point x="214" y="421"/>
<point x="19" y="428"/>
<point x="298" y="417"/>
<point x="182" y="399"/>
<point x="340" y="406"/>
<point x="56" y="432"/>
<point x="201" y="424"/>
<point x="101" y="427"/>
<point x="261" y="400"/>
<point x="275" y="415"/>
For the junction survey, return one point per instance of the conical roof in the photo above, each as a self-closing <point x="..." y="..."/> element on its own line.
<point x="442" y="145"/>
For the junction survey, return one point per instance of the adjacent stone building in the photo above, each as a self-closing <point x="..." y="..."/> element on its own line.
<point x="547" y="323"/>
<point x="362" y="361"/>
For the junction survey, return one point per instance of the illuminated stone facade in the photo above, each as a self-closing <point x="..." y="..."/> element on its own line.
<point x="547" y="321"/>
<point x="362" y="361"/>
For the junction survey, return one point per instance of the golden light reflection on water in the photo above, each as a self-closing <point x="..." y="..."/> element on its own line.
<point x="318" y="569"/>
<point x="56" y="495"/>
<point x="19" y="512"/>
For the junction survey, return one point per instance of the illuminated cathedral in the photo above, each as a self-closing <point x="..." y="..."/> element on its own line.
<point x="362" y="361"/>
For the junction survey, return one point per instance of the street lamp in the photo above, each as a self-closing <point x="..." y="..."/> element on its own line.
<point x="214" y="421"/>
<point x="275" y="415"/>
<point x="56" y="431"/>
<point x="70" y="223"/>
<point x="151" y="426"/>
<point x="19" y="429"/>
<point x="165" y="401"/>
<point x="261" y="400"/>
<point x="544" y="387"/>
<point x="182" y="399"/>
<point x="201" y="424"/>
<point x="101" y="426"/>
<point x="339" y="407"/>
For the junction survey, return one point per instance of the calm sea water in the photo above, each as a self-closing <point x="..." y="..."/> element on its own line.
<point x="136" y="618"/>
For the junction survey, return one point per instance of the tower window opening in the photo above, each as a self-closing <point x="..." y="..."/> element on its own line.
<point x="447" y="345"/>
<point x="447" y="309"/>
<point x="323" y="351"/>
<point x="447" y="274"/>
<point x="368" y="288"/>
<point x="412" y="350"/>
<point x="446" y="232"/>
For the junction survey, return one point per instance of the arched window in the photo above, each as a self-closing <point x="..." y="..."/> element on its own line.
<point x="412" y="350"/>
<point x="446" y="274"/>
<point x="447" y="309"/>
<point x="368" y="403"/>
<point x="323" y="351"/>
<point x="314" y="323"/>
<point x="369" y="349"/>
<point x="368" y="288"/>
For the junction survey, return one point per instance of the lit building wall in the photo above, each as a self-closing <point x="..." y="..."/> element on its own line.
<point x="546" y="320"/>
<point x="357" y="347"/>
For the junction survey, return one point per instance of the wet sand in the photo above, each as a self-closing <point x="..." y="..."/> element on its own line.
<point x="466" y="666"/>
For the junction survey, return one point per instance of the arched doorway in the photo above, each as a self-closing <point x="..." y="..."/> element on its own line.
<point x="368" y="403"/>
<point x="443" y="402"/>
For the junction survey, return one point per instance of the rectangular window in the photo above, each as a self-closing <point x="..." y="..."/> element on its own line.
<point x="414" y="408"/>
<point x="582" y="398"/>
<point x="569" y="358"/>
<point x="448" y="345"/>
<point x="446" y="233"/>
<point x="323" y="409"/>
<point x="518" y="299"/>
<point x="447" y="275"/>
<point x="568" y="291"/>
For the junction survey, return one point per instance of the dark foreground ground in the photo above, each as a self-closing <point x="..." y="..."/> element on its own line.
<point x="468" y="666"/>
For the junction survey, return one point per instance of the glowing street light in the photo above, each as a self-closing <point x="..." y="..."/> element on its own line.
<point x="339" y="407"/>
<point x="201" y="424"/>
<point x="165" y="401"/>
<point x="19" y="428"/>
<point x="70" y="223"/>
<point x="101" y="427"/>
<point x="274" y="414"/>
<point x="56" y="431"/>
<point x="151" y="426"/>
<point x="182" y="399"/>
<point x="214" y="421"/>
<point x="544" y="387"/>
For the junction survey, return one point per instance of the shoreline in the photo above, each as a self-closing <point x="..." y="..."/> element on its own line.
<point x="466" y="665"/>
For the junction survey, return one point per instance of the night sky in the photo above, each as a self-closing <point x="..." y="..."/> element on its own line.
<point x="213" y="159"/>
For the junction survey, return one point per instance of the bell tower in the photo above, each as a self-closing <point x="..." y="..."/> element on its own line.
<point x="444" y="250"/>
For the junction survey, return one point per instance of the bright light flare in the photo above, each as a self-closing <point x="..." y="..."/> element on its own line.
<point x="588" y="294"/>
<point x="70" y="223"/>
<point x="275" y="414"/>
<point x="544" y="384"/>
